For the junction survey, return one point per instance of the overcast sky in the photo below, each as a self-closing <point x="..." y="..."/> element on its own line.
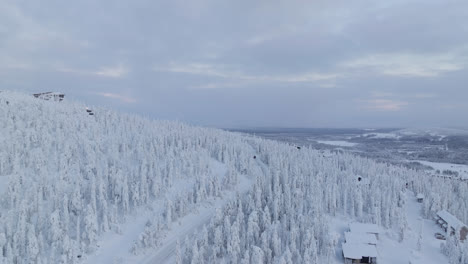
<point x="239" y="63"/>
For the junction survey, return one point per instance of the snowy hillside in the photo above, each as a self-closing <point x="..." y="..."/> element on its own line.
<point x="68" y="177"/>
<point x="117" y="188"/>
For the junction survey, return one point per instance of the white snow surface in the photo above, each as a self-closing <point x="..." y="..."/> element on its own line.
<point x="358" y="250"/>
<point x="362" y="228"/>
<point x="434" y="131"/>
<point x="441" y="166"/>
<point x="354" y="237"/>
<point x="382" y="135"/>
<point x="339" y="143"/>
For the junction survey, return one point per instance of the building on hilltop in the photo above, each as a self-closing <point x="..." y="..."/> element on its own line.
<point x="50" y="96"/>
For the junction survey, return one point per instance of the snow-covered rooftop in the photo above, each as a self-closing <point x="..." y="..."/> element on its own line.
<point x="420" y="196"/>
<point x="357" y="251"/>
<point x="450" y="219"/>
<point x="360" y="238"/>
<point x="364" y="228"/>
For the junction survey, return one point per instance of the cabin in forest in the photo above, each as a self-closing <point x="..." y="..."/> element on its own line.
<point x="50" y="96"/>
<point x="445" y="220"/>
<point x="360" y="243"/>
<point x="359" y="253"/>
<point x="420" y="197"/>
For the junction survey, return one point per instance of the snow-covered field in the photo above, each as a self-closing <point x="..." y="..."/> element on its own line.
<point x="435" y="131"/>
<point x="382" y="135"/>
<point x="114" y="248"/>
<point x="339" y="143"/>
<point x="461" y="169"/>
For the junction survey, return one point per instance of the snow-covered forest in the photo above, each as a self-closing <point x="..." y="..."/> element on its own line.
<point x="68" y="178"/>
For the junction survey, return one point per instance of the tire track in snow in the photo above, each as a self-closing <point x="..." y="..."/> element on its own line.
<point x="195" y="221"/>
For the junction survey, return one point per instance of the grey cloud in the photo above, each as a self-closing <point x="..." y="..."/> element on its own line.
<point x="246" y="63"/>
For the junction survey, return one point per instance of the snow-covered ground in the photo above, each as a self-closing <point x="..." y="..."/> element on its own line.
<point x="434" y="132"/>
<point x="339" y="143"/>
<point x="460" y="168"/>
<point x="382" y="135"/>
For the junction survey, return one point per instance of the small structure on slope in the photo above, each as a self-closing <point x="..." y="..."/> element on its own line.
<point x="359" y="253"/>
<point x="420" y="197"/>
<point x="446" y="220"/>
<point x="50" y="96"/>
<point x="89" y="111"/>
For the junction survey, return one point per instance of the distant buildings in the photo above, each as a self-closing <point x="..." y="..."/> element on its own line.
<point x="360" y="243"/>
<point x="446" y="220"/>
<point x="50" y="96"/>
